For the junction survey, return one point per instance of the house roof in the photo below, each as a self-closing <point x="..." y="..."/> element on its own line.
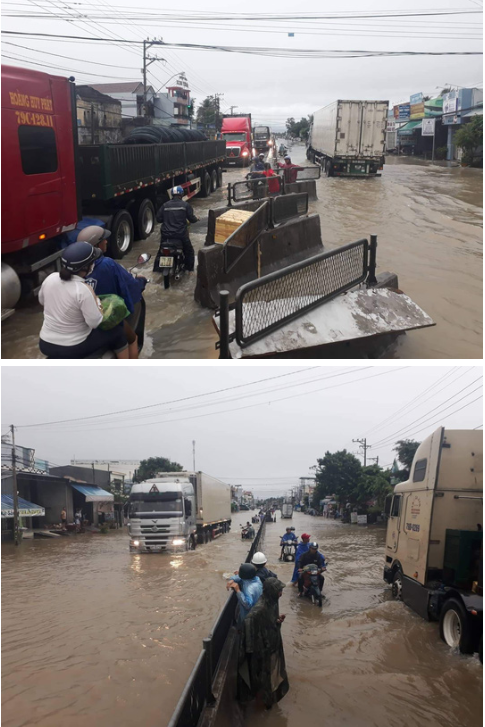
<point x="92" y="94"/>
<point x="130" y="87"/>
<point x="26" y="508"/>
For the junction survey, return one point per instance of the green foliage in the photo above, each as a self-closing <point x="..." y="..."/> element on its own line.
<point x="406" y="449"/>
<point x="440" y="152"/>
<point x="470" y="138"/>
<point x="299" y="128"/>
<point x="336" y="474"/>
<point x="153" y="465"/>
<point x="208" y="112"/>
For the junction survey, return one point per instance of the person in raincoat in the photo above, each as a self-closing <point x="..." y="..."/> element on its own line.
<point x="302" y="548"/>
<point x="248" y="588"/>
<point x="261" y="659"/>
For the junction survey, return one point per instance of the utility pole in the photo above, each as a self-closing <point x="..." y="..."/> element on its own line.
<point x="147" y="61"/>
<point x="15" y="491"/>
<point x="193" y="453"/>
<point x="363" y="445"/>
<point x="374" y="459"/>
<point x="233" y="107"/>
<point x="217" y="97"/>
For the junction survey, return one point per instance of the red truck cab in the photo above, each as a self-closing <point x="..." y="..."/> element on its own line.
<point x="39" y="200"/>
<point x="236" y="132"/>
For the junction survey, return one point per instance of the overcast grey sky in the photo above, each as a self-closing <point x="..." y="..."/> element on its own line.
<point x="248" y="439"/>
<point x="270" y="88"/>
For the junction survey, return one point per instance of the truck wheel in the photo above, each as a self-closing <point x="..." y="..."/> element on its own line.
<point x="454" y="627"/>
<point x="205" y="185"/>
<point x="144" y="220"/>
<point x="328" y="168"/>
<point x="121" y="239"/>
<point x="213" y="180"/>
<point x="397" y="586"/>
<point x="219" y="176"/>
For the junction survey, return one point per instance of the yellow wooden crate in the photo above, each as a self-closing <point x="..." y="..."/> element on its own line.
<point x="228" y="222"/>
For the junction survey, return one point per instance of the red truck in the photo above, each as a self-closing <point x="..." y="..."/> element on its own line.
<point x="236" y="132"/>
<point x="49" y="182"/>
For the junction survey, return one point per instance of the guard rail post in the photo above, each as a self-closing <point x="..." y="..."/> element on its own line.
<point x="207" y="646"/>
<point x="229" y="190"/>
<point x="224" y="324"/>
<point x="371" y="277"/>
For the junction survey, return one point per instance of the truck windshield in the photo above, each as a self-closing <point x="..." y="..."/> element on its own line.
<point x="234" y="137"/>
<point x="159" y="503"/>
<point x="261" y="133"/>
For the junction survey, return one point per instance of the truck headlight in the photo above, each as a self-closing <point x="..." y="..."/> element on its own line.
<point x="178" y="541"/>
<point x="245" y="153"/>
<point x="136" y="543"/>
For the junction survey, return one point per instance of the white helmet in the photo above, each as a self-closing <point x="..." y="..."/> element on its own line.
<point x="259" y="559"/>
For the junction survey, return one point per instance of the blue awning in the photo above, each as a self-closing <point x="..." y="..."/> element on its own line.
<point x="26" y="508"/>
<point x="93" y="494"/>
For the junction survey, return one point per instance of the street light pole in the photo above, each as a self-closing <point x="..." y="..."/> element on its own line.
<point x="15" y="490"/>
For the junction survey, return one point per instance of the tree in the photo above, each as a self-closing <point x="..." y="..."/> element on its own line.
<point x="374" y="484"/>
<point x="406" y="449"/>
<point x="299" y="128"/>
<point x="153" y="465"/>
<point x="336" y="474"/>
<point x="470" y="138"/>
<point x="208" y="113"/>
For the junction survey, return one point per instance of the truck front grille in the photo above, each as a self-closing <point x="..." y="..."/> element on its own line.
<point x="232" y="151"/>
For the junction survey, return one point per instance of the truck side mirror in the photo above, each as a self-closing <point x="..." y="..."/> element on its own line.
<point x="188" y="507"/>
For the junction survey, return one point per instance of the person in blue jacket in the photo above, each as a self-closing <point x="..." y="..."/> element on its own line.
<point x="109" y="276"/>
<point x="288" y="537"/>
<point x="248" y="588"/>
<point x="302" y="548"/>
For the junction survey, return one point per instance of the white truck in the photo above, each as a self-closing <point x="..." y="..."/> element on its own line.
<point x="347" y="138"/>
<point x="176" y="510"/>
<point x="434" y="536"/>
<point x="286" y="510"/>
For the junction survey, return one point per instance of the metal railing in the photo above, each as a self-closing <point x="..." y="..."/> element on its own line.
<point x="197" y="693"/>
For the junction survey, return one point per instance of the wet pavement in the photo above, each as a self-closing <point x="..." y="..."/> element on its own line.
<point x="95" y="635"/>
<point x="428" y="219"/>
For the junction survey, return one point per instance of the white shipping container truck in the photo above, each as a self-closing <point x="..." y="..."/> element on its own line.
<point x="176" y="510"/>
<point x="347" y="138"/>
<point x="287" y="510"/>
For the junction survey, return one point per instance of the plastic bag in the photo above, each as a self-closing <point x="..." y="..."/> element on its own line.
<point x="114" y="311"/>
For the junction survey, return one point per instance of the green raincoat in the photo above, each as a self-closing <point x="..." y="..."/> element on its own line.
<point x="261" y="664"/>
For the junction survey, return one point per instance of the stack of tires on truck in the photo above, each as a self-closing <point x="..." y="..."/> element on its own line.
<point x="434" y="545"/>
<point x="51" y="183"/>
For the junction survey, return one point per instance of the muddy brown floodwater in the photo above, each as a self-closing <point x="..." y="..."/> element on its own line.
<point x="428" y="219"/>
<point x="95" y="635"/>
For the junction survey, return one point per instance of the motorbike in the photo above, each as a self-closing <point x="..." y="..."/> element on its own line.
<point x="311" y="587"/>
<point x="135" y="319"/>
<point x="247" y="533"/>
<point x="171" y="261"/>
<point x="255" y="519"/>
<point x="289" y="551"/>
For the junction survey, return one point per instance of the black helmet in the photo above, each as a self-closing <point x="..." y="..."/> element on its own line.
<point x="313" y="545"/>
<point x="79" y="256"/>
<point x="247" y="571"/>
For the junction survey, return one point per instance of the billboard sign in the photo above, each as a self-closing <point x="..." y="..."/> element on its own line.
<point x="427" y="127"/>
<point x="450" y="105"/>
<point x="416" y="98"/>
<point x="417" y="111"/>
<point x="401" y="112"/>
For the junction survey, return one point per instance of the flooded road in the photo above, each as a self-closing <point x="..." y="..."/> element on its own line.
<point x="94" y="635"/>
<point x="428" y="220"/>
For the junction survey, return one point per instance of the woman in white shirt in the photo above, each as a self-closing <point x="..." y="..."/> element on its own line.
<point x="72" y="311"/>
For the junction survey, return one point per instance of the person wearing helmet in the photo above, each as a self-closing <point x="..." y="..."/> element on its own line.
<point x="258" y="163"/>
<point x="290" y="170"/>
<point x="72" y="310"/>
<point x="248" y="588"/>
<point x="311" y="557"/>
<point x="288" y="537"/>
<point x="109" y="276"/>
<point x="301" y="549"/>
<point x="259" y="560"/>
<point x="174" y="216"/>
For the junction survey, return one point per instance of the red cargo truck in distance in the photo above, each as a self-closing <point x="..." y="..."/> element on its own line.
<point x="236" y="132"/>
<point x="49" y="181"/>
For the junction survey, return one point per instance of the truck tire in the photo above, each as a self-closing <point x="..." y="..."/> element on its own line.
<point x="455" y="627"/>
<point x="144" y="219"/>
<point x="205" y="185"/>
<point x="121" y="240"/>
<point x="213" y="180"/>
<point x="397" y="586"/>
<point x="328" y="168"/>
<point x="219" y="176"/>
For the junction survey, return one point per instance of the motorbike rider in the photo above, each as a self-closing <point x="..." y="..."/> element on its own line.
<point x="301" y="549"/>
<point x="248" y="588"/>
<point x="290" y="170"/>
<point x="72" y="310"/>
<point x="258" y="164"/>
<point x="312" y="556"/>
<point x="248" y="531"/>
<point x="288" y="537"/>
<point x="110" y="276"/>
<point x="259" y="560"/>
<point x="174" y="216"/>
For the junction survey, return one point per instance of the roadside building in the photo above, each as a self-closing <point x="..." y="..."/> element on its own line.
<point x="180" y="96"/>
<point x="98" y="117"/>
<point x="159" y="107"/>
<point x="459" y="107"/>
<point x="91" y="492"/>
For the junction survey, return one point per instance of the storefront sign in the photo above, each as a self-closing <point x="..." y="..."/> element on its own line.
<point x="417" y="111"/>
<point x="450" y="105"/>
<point x="391" y="125"/>
<point x="427" y="127"/>
<point x="416" y="98"/>
<point x="361" y="519"/>
<point x="401" y="112"/>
